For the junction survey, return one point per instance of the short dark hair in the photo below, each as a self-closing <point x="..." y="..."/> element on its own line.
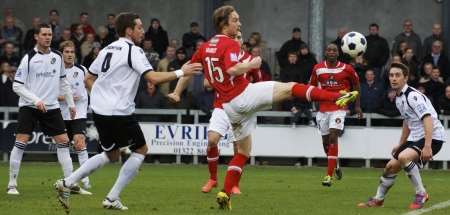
<point x="374" y="25"/>
<point x="53" y="11"/>
<point x="194" y="24"/>
<point x="292" y="53"/>
<point x="401" y="66"/>
<point x="124" y="21"/>
<point x="42" y="25"/>
<point x="221" y="15"/>
<point x="84" y="13"/>
<point x="111" y="14"/>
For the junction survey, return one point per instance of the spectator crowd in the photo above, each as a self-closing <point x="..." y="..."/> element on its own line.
<point x="426" y="59"/>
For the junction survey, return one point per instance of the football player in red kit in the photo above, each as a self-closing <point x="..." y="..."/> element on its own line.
<point x="240" y="99"/>
<point x="334" y="76"/>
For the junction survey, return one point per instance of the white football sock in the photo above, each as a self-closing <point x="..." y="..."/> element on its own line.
<point x="63" y="153"/>
<point x="413" y="172"/>
<point x="14" y="162"/>
<point x="83" y="157"/>
<point x="386" y="182"/>
<point x="87" y="168"/>
<point x="127" y="172"/>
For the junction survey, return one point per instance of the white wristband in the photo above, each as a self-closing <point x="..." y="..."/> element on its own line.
<point x="179" y="73"/>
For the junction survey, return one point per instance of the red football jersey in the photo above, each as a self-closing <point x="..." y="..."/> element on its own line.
<point x="253" y="75"/>
<point x="218" y="55"/>
<point x="341" y="77"/>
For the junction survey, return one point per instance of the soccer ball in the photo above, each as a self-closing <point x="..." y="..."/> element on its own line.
<point x="354" y="44"/>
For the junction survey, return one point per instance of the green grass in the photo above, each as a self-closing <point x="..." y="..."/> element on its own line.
<point x="175" y="189"/>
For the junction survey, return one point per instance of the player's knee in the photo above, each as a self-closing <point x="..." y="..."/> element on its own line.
<point x="62" y="138"/>
<point x="79" y="142"/>
<point x="113" y="155"/>
<point x="404" y="158"/>
<point x="142" y="150"/>
<point x="213" y="139"/>
<point x="23" y="138"/>
<point x="392" y="167"/>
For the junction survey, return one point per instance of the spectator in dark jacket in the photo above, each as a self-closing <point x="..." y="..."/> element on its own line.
<point x="151" y="97"/>
<point x="387" y="105"/>
<point x="289" y="73"/>
<point x="410" y="60"/>
<point x="306" y="60"/>
<point x="29" y="42"/>
<point x="9" y="55"/>
<point x="444" y="101"/>
<point x="190" y="38"/>
<point x="435" y="87"/>
<point x="436" y="34"/>
<point x="180" y="59"/>
<point x="7" y="96"/>
<point x="377" y="52"/>
<point x="10" y="32"/>
<point x="410" y="37"/>
<point x="292" y="45"/>
<point x="343" y="57"/>
<point x="111" y="26"/>
<point x="158" y="35"/>
<point x="438" y="59"/>
<point x="371" y="93"/>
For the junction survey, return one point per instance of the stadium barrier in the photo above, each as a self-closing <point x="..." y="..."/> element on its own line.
<point x="270" y="140"/>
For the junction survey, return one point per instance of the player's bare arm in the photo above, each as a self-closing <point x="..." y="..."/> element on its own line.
<point x="427" y="152"/>
<point x="187" y="69"/>
<point x="242" y="68"/>
<point x="89" y="81"/>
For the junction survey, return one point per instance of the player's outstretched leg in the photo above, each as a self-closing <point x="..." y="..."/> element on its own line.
<point x="83" y="156"/>
<point x="14" y="166"/>
<point x="386" y="182"/>
<point x="63" y="185"/>
<point x="311" y="93"/>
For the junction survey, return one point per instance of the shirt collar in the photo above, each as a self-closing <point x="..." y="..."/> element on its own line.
<point x="403" y="90"/>
<point x="38" y="51"/>
<point x="126" y="40"/>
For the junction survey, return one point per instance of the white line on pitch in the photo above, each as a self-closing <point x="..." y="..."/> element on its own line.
<point x="426" y="210"/>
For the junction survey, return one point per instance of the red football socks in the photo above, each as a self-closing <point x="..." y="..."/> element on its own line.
<point x="234" y="172"/>
<point x="212" y="155"/>
<point x="311" y="93"/>
<point x="332" y="158"/>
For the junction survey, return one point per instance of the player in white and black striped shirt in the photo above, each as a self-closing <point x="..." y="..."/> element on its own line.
<point x="39" y="80"/>
<point x="422" y="137"/>
<point x="114" y="78"/>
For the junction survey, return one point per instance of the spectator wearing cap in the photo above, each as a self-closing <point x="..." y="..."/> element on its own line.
<point x="190" y="38"/>
<point x="158" y="35"/>
<point x="410" y="37"/>
<point x="292" y="45"/>
<point x="377" y="52"/>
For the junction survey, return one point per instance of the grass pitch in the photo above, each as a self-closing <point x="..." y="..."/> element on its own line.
<point x="175" y="189"/>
